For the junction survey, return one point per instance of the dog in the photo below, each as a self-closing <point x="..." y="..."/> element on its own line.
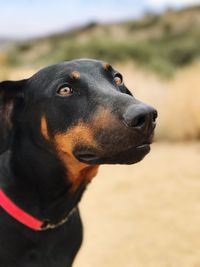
<point x="56" y="129"/>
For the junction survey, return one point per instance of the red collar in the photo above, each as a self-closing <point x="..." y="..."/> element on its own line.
<point x="18" y="214"/>
<point x="26" y="219"/>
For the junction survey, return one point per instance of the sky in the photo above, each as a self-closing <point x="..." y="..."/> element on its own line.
<point x="32" y="18"/>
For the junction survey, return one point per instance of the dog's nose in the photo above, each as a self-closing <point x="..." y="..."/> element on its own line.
<point x="141" y="117"/>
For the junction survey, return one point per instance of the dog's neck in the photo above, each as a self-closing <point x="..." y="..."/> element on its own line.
<point x="36" y="180"/>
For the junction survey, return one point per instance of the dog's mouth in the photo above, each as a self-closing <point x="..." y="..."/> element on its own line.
<point x="128" y="156"/>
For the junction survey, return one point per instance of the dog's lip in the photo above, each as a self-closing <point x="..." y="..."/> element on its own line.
<point x="86" y="155"/>
<point x="91" y="157"/>
<point x="143" y="146"/>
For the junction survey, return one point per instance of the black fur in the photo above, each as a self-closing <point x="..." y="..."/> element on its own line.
<point x="32" y="174"/>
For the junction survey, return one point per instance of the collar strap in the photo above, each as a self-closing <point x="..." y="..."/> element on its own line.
<point x="26" y="219"/>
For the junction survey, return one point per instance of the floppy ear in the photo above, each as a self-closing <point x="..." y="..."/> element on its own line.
<point x="10" y="93"/>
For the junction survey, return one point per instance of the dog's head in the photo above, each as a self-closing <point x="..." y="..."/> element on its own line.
<point x="82" y="111"/>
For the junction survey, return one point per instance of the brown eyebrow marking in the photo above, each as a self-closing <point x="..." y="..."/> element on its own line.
<point x="44" y="128"/>
<point x="106" y="66"/>
<point x="75" y="75"/>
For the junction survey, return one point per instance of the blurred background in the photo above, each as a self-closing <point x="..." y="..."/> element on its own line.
<point x="147" y="214"/>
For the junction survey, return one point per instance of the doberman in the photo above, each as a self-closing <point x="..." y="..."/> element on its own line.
<point x="56" y="128"/>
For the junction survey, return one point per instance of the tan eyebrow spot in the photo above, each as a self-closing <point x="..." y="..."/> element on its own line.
<point x="75" y="75"/>
<point x="106" y="66"/>
<point x="44" y="128"/>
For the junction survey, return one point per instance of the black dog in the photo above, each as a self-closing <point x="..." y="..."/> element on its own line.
<point x="56" y="128"/>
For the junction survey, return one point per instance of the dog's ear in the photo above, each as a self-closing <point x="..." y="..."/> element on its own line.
<point x="10" y="93"/>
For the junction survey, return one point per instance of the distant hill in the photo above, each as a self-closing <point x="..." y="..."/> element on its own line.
<point x="161" y="43"/>
<point x="6" y="44"/>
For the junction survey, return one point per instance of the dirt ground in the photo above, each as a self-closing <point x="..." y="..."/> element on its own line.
<point x="146" y="214"/>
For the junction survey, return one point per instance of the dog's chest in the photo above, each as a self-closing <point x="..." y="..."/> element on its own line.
<point x="20" y="247"/>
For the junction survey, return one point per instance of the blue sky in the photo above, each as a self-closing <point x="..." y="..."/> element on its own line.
<point x="23" y="18"/>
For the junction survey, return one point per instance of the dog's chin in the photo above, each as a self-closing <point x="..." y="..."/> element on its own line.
<point x="129" y="156"/>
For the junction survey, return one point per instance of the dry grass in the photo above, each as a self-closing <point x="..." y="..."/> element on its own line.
<point x="177" y="100"/>
<point x="8" y="73"/>
<point x="146" y="214"/>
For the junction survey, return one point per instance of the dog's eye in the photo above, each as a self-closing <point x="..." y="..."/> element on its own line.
<point x="65" y="91"/>
<point x="118" y="79"/>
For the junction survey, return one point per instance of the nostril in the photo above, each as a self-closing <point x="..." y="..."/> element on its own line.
<point x="141" y="117"/>
<point x="138" y="121"/>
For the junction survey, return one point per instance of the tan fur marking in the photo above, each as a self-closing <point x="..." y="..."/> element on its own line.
<point x="106" y="66"/>
<point x="75" y="75"/>
<point x="82" y="133"/>
<point x="64" y="142"/>
<point x="44" y="129"/>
